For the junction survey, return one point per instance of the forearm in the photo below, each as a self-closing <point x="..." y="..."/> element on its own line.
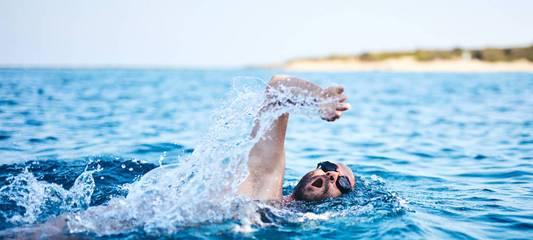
<point x="291" y="90"/>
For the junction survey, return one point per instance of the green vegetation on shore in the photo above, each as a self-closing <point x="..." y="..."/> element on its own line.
<point x="485" y="54"/>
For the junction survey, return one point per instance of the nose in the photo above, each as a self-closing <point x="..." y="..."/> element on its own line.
<point x="332" y="176"/>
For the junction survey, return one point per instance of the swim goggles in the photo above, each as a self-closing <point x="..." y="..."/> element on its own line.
<point x="343" y="182"/>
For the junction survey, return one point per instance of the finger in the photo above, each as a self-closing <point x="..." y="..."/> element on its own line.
<point x="343" y="106"/>
<point x="340" y="89"/>
<point x="343" y="98"/>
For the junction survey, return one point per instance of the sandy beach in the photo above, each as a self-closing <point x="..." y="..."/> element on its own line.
<point x="409" y="64"/>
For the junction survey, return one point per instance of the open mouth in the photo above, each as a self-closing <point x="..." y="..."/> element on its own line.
<point x="318" y="183"/>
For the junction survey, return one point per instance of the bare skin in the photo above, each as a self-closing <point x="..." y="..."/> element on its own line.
<point x="266" y="163"/>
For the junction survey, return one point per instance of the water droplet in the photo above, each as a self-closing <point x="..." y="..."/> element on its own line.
<point x="123" y="166"/>
<point x="130" y="169"/>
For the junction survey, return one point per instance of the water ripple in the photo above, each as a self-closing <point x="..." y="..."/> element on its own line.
<point x="436" y="155"/>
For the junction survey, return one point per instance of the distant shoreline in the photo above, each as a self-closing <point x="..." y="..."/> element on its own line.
<point x="511" y="59"/>
<point x="408" y="64"/>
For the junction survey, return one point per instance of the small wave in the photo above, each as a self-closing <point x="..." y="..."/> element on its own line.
<point x="8" y="102"/>
<point x="4" y="135"/>
<point x="398" y="176"/>
<point x="157" y="148"/>
<point x="509" y="220"/>
<point x="42" y="140"/>
<point x="497" y="174"/>
<point x="34" y="122"/>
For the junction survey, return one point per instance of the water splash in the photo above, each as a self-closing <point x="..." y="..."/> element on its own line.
<point x="38" y="199"/>
<point x="200" y="188"/>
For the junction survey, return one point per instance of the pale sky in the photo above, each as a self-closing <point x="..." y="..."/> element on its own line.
<point x="233" y="33"/>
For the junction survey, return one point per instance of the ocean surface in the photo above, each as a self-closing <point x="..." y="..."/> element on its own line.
<point x="436" y="155"/>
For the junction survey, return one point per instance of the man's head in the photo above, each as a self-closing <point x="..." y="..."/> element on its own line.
<point x="328" y="180"/>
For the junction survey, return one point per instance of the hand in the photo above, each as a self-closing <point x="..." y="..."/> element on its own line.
<point x="332" y="103"/>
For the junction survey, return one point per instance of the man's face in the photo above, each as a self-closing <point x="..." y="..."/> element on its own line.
<point x="321" y="183"/>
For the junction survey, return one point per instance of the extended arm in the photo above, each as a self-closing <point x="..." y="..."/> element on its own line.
<point x="266" y="163"/>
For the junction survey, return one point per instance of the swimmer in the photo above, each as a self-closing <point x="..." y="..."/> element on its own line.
<point x="266" y="163"/>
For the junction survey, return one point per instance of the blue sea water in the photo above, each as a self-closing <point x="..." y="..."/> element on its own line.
<point x="436" y="155"/>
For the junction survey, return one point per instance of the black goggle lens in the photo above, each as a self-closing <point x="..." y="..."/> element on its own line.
<point x="327" y="166"/>
<point x="343" y="183"/>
